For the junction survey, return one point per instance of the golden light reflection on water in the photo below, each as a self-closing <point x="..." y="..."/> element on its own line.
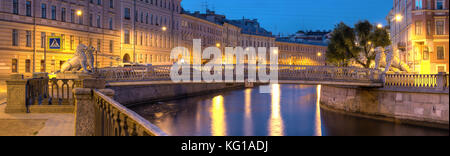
<point x="276" y="127"/>
<point x="318" y="122"/>
<point x="248" y="126"/>
<point x="218" y="118"/>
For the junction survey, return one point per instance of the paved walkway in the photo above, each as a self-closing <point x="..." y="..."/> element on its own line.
<point x="55" y="124"/>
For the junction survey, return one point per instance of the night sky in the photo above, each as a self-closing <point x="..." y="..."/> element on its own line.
<point x="289" y="16"/>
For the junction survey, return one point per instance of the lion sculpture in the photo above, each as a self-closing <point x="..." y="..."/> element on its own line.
<point x="82" y="59"/>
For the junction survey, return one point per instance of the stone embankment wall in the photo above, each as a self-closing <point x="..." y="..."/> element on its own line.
<point x="426" y="109"/>
<point x="129" y="94"/>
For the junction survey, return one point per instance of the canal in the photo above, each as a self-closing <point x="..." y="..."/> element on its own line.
<point x="291" y="110"/>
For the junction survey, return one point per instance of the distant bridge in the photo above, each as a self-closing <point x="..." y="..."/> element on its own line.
<point x="287" y="74"/>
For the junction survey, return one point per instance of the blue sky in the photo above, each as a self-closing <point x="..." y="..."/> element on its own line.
<point x="288" y="16"/>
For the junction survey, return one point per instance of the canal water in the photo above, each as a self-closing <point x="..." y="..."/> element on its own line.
<point x="291" y="110"/>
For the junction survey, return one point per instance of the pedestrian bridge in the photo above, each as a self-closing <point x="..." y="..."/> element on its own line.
<point x="287" y="74"/>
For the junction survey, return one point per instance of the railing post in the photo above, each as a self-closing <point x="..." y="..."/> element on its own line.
<point x="84" y="112"/>
<point x="441" y="81"/>
<point x="17" y="94"/>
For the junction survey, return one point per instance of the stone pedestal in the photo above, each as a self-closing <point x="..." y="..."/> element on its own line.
<point x="16" y="100"/>
<point x="85" y="110"/>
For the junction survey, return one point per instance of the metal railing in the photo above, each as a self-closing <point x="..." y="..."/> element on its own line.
<point x="44" y="91"/>
<point x="113" y="119"/>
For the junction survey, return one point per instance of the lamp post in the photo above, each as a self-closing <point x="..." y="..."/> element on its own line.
<point x="399" y="18"/>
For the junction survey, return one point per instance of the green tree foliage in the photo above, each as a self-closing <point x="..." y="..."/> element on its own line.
<point x="356" y="44"/>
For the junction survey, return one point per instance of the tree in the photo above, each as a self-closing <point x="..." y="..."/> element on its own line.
<point x="356" y="44"/>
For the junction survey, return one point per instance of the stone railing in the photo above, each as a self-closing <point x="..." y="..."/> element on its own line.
<point x="136" y="73"/>
<point x="99" y="115"/>
<point x="286" y="72"/>
<point x="417" y="81"/>
<point x="329" y="73"/>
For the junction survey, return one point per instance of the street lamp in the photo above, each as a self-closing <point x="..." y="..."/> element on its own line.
<point x="164" y="28"/>
<point x="319" y="54"/>
<point x="217" y="45"/>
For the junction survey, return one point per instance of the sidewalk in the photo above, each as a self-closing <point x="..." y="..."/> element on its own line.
<point x="54" y="124"/>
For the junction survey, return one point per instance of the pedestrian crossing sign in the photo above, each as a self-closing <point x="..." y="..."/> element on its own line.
<point x="54" y="43"/>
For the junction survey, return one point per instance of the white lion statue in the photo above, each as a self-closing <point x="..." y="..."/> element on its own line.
<point x="83" y="58"/>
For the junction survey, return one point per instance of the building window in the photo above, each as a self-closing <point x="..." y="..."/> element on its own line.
<point x="72" y="16"/>
<point x="440" y="27"/>
<point x="42" y="66"/>
<point x="61" y="63"/>
<point x="111" y="46"/>
<point x="418" y="28"/>
<point x="418" y="4"/>
<point x="72" y="40"/>
<point x="99" y="45"/>
<point x="16" y="7"/>
<point x="111" y="3"/>
<point x="14" y="66"/>
<point x="43" y="39"/>
<point x="53" y="12"/>
<point x="429" y="27"/>
<point x="63" y="14"/>
<point x="127" y="13"/>
<point x="439" y="4"/>
<point x="28" y="66"/>
<point x="440" y="53"/>
<point x="98" y="21"/>
<point x="63" y="41"/>
<point x="28" y="8"/>
<point x="80" y="20"/>
<point x="44" y="10"/>
<point x="127" y="37"/>
<point x="91" y="20"/>
<point x="28" y="38"/>
<point x="441" y="69"/>
<point x="110" y="23"/>
<point x="15" y="37"/>
<point x="426" y="53"/>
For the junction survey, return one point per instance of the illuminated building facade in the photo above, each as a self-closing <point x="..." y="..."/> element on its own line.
<point x="419" y="32"/>
<point x="123" y="31"/>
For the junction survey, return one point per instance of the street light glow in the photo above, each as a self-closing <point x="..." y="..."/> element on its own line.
<point x="398" y="17"/>
<point x="79" y="13"/>
<point x="164" y="28"/>
<point x="217" y="44"/>
<point x="319" y="54"/>
<point x="379" y="26"/>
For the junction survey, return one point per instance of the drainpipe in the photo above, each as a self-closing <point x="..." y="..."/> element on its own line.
<point x="134" y="32"/>
<point x="34" y="37"/>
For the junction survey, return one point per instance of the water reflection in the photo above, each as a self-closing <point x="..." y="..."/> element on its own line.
<point x="276" y="121"/>
<point x="248" y="125"/>
<point x="292" y="110"/>
<point x="218" y="118"/>
<point x="318" y="119"/>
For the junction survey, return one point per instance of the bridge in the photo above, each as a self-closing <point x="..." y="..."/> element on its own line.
<point x="98" y="112"/>
<point x="287" y="74"/>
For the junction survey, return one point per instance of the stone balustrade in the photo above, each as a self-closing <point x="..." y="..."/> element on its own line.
<point x="418" y="81"/>
<point x="99" y="115"/>
<point x="286" y="72"/>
